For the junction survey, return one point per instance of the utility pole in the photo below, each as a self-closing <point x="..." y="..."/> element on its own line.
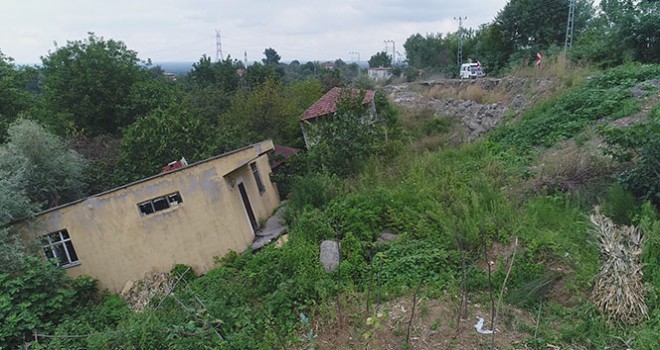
<point x="358" y="56"/>
<point x="459" y="56"/>
<point x="569" y="25"/>
<point x="393" y="49"/>
<point x="218" y="46"/>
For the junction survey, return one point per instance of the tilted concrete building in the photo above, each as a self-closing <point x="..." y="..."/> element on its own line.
<point x="185" y="216"/>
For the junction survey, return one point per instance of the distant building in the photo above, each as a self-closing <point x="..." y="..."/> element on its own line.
<point x="170" y="76"/>
<point x="187" y="215"/>
<point x="380" y="73"/>
<point x="327" y="105"/>
<point x="329" y="65"/>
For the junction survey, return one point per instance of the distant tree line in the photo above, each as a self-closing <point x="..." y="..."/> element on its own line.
<point x="127" y="119"/>
<point x="94" y="116"/>
<point x="613" y="33"/>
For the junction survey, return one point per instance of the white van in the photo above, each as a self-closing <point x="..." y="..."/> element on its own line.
<point x="471" y="71"/>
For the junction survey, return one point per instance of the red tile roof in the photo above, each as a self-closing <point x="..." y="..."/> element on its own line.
<point x="328" y="103"/>
<point x="282" y="153"/>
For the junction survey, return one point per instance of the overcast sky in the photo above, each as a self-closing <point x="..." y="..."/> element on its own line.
<point x="177" y="30"/>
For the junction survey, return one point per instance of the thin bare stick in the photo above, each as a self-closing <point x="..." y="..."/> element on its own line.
<point x="341" y="319"/>
<point x="172" y="289"/>
<point x="380" y="269"/>
<point x="371" y="277"/>
<point x="506" y="278"/>
<point x="206" y="322"/>
<point x="272" y="328"/>
<point x="412" y="314"/>
<point x="462" y="307"/>
<point x="538" y="321"/>
<point x="490" y="293"/>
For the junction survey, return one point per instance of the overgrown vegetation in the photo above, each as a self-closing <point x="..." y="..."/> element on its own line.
<point x="456" y="209"/>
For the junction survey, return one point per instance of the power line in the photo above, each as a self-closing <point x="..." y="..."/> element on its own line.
<point x="459" y="55"/>
<point x="356" y="53"/>
<point x="218" y="46"/>
<point x="540" y="11"/>
<point x="569" y="24"/>
<point x="393" y="49"/>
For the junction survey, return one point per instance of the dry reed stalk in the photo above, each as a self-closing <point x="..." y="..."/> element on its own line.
<point x="619" y="290"/>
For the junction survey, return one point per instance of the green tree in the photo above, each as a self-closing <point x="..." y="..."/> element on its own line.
<point x="162" y="136"/>
<point x="34" y="294"/>
<point x="638" y="144"/>
<point x="423" y="51"/>
<point x="35" y="170"/>
<point x="90" y="83"/>
<point x="331" y="78"/>
<point x="211" y="86"/>
<point x="492" y="48"/>
<point x="272" y="58"/>
<point x="257" y="74"/>
<point x="623" y="31"/>
<point x="381" y="59"/>
<point x="14" y="201"/>
<point x="434" y="51"/>
<point x="347" y="138"/>
<point x="270" y="110"/>
<point x="101" y="155"/>
<point x="221" y="74"/>
<point x="147" y="95"/>
<point x="539" y="24"/>
<point x="15" y="96"/>
<point x="52" y="174"/>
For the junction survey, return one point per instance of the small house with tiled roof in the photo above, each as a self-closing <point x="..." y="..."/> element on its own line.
<point x="327" y="105"/>
<point x="281" y="154"/>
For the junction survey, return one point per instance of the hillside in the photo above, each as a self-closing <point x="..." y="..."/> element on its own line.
<point x="555" y="183"/>
<point x="477" y="205"/>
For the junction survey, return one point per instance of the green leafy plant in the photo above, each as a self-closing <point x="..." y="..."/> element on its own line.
<point x="638" y="144"/>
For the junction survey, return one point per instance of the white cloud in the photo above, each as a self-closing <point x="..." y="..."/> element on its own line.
<point x="173" y="30"/>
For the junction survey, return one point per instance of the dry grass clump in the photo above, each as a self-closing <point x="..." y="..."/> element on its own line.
<point x="413" y="119"/>
<point x="139" y="294"/>
<point x="554" y="67"/>
<point x="619" y="289"/>
<point x="500" y="94"/>
<point x="473" y="92"/>
<point x="430" y="143"/>
<point x="442" y="92"/>
<point x="470" y="91"/>
<point x="567" y="169"/>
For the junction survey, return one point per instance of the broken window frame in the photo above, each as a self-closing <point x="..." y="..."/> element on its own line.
<point x="58" y="246"/>
<point x="257" y="178"/>
<point x="154" y="205"/>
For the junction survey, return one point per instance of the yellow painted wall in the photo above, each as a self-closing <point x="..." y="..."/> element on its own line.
<point x="115" y="243"/>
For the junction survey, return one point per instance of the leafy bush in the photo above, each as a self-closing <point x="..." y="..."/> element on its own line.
<point x="314" y="190"/>
<point x="606" y="96"/>
<point x="620" y="205"/>
<point x="640" y="145"/>
<point x="406" y="263"/>
<point x="436" y="125"/>
<point x="649" y="222"/>
<point x="33" y="297"/>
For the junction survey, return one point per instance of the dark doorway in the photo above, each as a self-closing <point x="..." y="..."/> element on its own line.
<point x="248" y="207"/>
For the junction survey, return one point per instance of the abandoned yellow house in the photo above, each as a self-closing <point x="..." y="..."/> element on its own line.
<point x="185" y="216"/>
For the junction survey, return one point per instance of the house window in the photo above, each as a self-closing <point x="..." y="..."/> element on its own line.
<point x="160" y="203"/>
<point x="257" y="177"/>
<point x="58" y="245"/>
